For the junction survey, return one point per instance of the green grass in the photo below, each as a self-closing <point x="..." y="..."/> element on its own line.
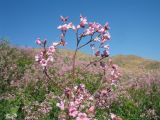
<point x="138" y="104"/>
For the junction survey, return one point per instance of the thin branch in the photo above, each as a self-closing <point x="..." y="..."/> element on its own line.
<point x="85" y="44"/>
<point x="95" y="61"/>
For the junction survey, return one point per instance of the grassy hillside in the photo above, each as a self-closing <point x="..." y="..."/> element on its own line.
<point x="23" y="89"/>
<point x="124" y="61"/>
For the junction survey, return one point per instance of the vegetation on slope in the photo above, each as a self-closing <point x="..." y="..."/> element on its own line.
<point x="22" y="85"/>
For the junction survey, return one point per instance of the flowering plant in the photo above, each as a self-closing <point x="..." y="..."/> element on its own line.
<point x="77" y="102"/>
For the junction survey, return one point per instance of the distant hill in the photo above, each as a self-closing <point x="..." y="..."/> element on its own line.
<point x="132" y="61"/>
<point x="124" y="61"/>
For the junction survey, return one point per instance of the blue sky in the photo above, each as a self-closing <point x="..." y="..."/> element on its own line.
<point x="135" y="24"/>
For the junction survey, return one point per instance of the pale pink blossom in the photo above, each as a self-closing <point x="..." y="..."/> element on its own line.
<point x="73" y="111"/>
<point x="112" y="72"/>
<point x="91" y="98"/>
<point x="75" y="87"/>
<point x="77" y="102"/>
<point x="83" y="21"/>
<point x="113" y="116"/>
<point x="105" y="37"/>
<point x="71" y="26"/>
<point x="38" y="41"/>
<point x="106" y="47"/>
<point x="82" y="116"/>
<point x="105" y="53"/>
<point x="43" y="63"/>
<point x="63" y="27"/>
<point x="106" y="26"/>
<point x="96" y="39"/>
<point x="95" y="25"/>
<point x="81" y="97"/>
<point x="51" y="49"/>
<point x="50" y="58"/>
<point x="89" y="31"/>
<point x="37" y="58"/>
<point x="60" y="105"/>
<point x="72" y="104"/>
<point x="101" y="30"/>
<point x="91" y="109"/>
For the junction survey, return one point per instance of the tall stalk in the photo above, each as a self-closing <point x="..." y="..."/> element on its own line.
<point x="75" y="53"/>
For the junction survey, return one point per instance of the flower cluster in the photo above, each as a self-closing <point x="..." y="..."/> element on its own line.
<point x="76" y="100"/>
<point x="111" y="72"/>
<point x="101" y="98"/>
<point x="99" y="33"/>
<point x="46" y="55"/>
<point x="115" y="74"/>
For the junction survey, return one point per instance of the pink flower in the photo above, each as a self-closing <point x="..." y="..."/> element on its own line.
<point x="106" y="26"/>
<point x="37" y="58"/>
<point x="43" y="63"/>
<point x="51" y="49"/>
<point x="91" y="98"/>
<point x="73" y="111"/>
<point x="89" y="31"/>
<point x="38" y="41"/>
<point x="105" y="53"/>
<point x="106" y="47"/>
<point x="102" y="30"/>
<point x="95" y="25"/>
<point x="82" y="116"/>
<point x="77" y="102"/>
<point x="63" y="27"/>
<point x="50" y="58"/>
<point x="71" y="104"/>
<point x="105" y="37"/>
<point x="96" y="39"/>
<point x="91" y="109"/>
<point x="83" y="21"/>
<point x="82" y="87"/>
<point x="71" y="26"/>
<point x="112" y="72"/>
<point x="60" y="105"/>
<point x="75" y="87"/>
<point x="81" y="97"/>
